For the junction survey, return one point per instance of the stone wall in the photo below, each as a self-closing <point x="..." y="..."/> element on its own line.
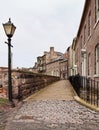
<point x="24" y="83"/>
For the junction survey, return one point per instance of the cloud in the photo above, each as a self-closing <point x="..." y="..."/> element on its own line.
<point x="40" y="24"/>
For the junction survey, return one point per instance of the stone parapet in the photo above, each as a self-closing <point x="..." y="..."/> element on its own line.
<point x="24" y="83"/>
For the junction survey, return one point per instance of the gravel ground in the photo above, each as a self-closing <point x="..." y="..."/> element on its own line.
<point x="53" y="108"/>
<point x="54" y="115"/>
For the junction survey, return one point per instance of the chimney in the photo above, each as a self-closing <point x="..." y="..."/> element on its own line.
<point x="45" y="52"/>
<point x="51" y="50"/>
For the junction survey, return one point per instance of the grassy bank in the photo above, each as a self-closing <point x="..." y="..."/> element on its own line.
<point x="3" y="101"/>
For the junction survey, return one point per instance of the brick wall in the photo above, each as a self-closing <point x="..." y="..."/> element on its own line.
<point x="86" y="41"/>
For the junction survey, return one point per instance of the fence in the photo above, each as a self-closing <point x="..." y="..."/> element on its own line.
<point x="86" y="88"/>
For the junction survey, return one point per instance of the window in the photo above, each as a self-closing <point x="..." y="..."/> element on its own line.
<point x="84" y="34"/>
<point x="52" y="73"/>
<point x="89" y="24"/>
<point x="89" y="64"/>
<point x="97" y="10"/>
<point x="97" y="59"/>
<point x="76" y="55"/>
<point x="81" y="41"/>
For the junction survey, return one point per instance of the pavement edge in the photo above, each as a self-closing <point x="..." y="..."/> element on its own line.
<point x="81" y="101"/>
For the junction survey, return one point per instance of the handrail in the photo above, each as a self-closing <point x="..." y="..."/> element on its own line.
<point x="86" y="88"/>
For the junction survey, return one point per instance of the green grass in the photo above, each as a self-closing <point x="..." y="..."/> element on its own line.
<point x="3" y="101"/>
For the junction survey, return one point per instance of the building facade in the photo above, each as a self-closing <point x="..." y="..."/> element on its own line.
<point x="64" y="69"/>
<point x="41" y="64"/>
<point x="52" y="63"/>
<point x="74" y="57"/>
<point x="70" y="60"/>
<point x="87" y="43"/>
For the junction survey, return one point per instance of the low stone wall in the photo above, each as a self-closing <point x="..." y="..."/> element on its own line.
<point x="25" y="83"/>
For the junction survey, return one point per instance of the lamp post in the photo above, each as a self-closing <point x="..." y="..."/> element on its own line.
<point x="9" y="29"/>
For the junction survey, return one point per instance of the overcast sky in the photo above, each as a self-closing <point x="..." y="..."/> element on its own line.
<point x="40" y="25"/>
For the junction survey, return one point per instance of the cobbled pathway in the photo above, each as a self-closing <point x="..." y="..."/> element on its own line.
<point x="3" y="119"/>
<point x="53" y="114"/>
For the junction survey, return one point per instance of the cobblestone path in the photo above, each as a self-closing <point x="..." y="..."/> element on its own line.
<point x="3" y="119"/>
<point x="53" y="111"/>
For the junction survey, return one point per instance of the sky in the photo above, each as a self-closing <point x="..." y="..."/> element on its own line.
<point x="40" y="24"/>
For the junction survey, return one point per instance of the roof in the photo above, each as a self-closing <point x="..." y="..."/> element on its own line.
<point x="60" y="58"/>
<point x="59" y="53"/>
<point x="64" y="60"/>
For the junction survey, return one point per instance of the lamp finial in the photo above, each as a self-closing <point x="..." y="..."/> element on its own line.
<point x="9" y="20"/>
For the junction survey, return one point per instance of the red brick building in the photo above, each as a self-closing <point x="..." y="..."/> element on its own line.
<point x="52" y="63"/>
<point x="87" y="43"/>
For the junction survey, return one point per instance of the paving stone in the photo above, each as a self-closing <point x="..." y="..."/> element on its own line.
<point x="53" y="114"/>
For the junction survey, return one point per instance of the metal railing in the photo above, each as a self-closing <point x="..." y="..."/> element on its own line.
<point x="86" y="88"/>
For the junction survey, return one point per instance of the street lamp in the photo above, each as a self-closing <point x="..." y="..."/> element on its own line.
<point x="9" y="29"/>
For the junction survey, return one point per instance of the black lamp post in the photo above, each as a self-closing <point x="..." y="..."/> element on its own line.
<point x="9" y="29"/>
